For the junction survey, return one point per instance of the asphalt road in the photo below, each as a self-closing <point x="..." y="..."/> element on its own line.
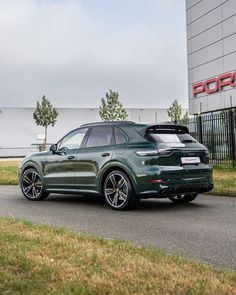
<point x="204" y="229"/>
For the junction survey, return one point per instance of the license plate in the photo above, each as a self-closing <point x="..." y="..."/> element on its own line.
<point x="190" y="160"/>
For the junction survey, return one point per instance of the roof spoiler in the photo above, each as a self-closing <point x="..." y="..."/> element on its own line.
<point x="163" y="127"/>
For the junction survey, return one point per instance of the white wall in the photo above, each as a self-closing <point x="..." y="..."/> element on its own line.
<point x="211" y="39"/>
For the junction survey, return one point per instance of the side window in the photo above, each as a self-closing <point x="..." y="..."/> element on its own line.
<point x="100" y="136"/>
<point x="120" y="136"/>
<point x="73" y="140"/>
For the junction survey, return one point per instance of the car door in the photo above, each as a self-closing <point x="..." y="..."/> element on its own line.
<point x="60" y="166"/>
<point x="93" y="157"/>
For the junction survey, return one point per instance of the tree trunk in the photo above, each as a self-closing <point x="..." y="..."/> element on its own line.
<point x="45" y="138"/>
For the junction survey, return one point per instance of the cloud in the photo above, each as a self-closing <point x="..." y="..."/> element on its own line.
<point x="74" y="51"/>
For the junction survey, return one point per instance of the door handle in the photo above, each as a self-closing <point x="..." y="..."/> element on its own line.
<point x="70" y="157"/>
<point x="105" y="154"/>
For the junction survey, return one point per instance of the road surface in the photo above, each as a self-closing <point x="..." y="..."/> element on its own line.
<point x="204" y="229"/>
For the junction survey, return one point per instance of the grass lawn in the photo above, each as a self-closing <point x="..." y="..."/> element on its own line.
<point x="224" y="179"/>
<point x="9" y="172"/>
<point x="38" y="259"/>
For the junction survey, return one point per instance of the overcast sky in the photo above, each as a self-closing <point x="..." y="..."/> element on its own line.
<point x="73" y="51"/>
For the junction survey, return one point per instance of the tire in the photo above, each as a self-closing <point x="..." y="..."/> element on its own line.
<point x="118" y="191"/>
<point x="183" y="198"/>
<point x="32" y="185"/>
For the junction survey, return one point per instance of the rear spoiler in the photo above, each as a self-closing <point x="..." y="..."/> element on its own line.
<point x="164" y="127"/>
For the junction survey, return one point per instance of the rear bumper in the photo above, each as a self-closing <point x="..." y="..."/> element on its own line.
<point x="201" y="187"/>
<point x="164" y="191"/>
<point x="168" y="182"/>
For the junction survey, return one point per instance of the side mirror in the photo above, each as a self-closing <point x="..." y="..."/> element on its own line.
<point x="53" y="148"/>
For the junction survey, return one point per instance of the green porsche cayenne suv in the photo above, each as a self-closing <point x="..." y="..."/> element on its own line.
<point x="121" y="161"/>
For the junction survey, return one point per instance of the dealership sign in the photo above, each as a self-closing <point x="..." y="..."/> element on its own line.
<point x="213" y="85"/>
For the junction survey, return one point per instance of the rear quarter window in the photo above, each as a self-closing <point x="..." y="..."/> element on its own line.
<point x="120" y="136"/>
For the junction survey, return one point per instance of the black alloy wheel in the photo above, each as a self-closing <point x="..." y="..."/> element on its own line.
<point x="32" y="185"/>
<point x="118" y="191"/>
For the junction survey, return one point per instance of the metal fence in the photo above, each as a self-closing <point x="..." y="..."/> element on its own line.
<point x="217" y="131"/>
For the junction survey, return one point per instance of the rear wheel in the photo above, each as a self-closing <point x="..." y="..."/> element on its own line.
<point x="32" y="185"/>
<point x="118" y="191"/>
<point x="183" y="198"/>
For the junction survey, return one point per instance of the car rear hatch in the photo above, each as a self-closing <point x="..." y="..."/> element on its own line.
<point x="176" y="150"/>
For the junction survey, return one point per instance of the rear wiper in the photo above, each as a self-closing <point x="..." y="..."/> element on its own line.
<point x="187" y="141"/>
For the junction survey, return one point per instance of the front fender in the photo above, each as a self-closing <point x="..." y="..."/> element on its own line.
<point x="30" y="164"/>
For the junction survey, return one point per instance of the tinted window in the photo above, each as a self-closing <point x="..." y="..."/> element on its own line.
<point x="100" y="136"/>
<point x="120" y="136"/>
<point x="73" y="140"/>
<point x="170" y="137"/>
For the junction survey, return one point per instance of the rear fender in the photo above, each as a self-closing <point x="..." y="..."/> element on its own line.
<point x="118" y="166"/>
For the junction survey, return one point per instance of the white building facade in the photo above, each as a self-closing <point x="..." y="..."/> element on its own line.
<point x="211" y="47"/>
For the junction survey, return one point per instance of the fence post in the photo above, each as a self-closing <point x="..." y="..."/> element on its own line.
<point x="212" y="137"/>
<point x="232" y="137"/>
<point x="199" y="126"/>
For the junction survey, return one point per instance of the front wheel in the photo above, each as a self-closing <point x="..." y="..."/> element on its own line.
<point x="118" y="191"/>
<point x="32" y="185"/>
<point x="183" y="198"/>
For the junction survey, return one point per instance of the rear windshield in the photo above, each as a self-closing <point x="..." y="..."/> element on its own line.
<point x="169" y="137"/>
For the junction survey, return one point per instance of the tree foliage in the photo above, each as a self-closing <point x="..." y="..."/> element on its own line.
<point x="45" y="115"/>
<point x="185" y="119"/>
<point x="111" y="108"/>
<point x="175" y="114"/>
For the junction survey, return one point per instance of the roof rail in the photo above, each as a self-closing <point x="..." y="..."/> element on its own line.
<point x="108" y="123"/>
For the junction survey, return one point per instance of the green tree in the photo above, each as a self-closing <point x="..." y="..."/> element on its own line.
<point x="175" y="114"/>
<point x="111" y="108"/>
<point x="45" y="115"/>
<point x="185" y="119"/>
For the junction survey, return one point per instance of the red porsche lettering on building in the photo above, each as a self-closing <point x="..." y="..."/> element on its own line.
<point x="214" y="84"/>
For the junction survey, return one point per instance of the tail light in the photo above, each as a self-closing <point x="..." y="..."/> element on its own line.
<point x="147" y="153"/>
<point x="159" y="152"/>
<point x="164" y="152"/>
